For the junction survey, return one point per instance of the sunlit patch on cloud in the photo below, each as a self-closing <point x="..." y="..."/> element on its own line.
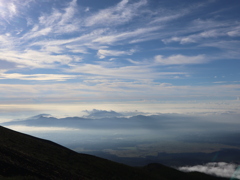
<point x="222" y="169"/>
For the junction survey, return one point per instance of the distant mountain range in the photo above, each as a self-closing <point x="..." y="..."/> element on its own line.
<point x="103" y="120"/>
<point x="27" y="157"/>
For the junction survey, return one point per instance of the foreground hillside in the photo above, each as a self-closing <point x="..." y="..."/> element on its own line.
<point x="27" y="157"/>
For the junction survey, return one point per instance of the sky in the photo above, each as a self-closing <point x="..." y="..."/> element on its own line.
<point x="124" y="55"/>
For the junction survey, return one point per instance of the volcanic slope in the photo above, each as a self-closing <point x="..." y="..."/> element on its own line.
<point x="27" y="157"/>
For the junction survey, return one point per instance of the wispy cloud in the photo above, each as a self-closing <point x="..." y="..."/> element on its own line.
<point x="199" y="30"/>
<point x="180" y="59"/>
<point x="196" y="37"/>
<point x="37" y="77"/>
<point x="121" y="13"/>
<point x="235" y="32"/>
<point x="34" y="59"/>
<point x="126" y="72"/>
<point x="8" y="10"/>
<point x="102" y="53"/>
<point x="55" y="23"/>
<point x="127" y="35"/>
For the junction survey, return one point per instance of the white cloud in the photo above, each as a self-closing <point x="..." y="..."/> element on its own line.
<point x="195" y="38"/>
<point x="49" y="20"/>
<point x="234" y="32"/>
<point x="207" y="24"/>
<point x="229" y="48"/>
<point x="125" y="72"/>
<point x="57" y="22"/>
<point x="116" y="37"/>
<point x="42" y="32"/>
<point x="35" y="59"/>
<point x="5" y="41"/>
<point x="69" y="13"/>
<point x="222" y="169"/>
<point x="53" y="49"/>
<point x="87" y="9"/>
<point x="38" y="77"/>
<point x="113" y="88"/>
<point x="8" y="10"/>
<point x="119" y="14"/>
<point x="81" y="42"/>
<point x="77" y="49"/>
<point x="163" y="19"/>
<point x="180" y="59"/>
<point x="134" y="62"/>
<point x="12" y="9"/>
<point x="102" y="53"/>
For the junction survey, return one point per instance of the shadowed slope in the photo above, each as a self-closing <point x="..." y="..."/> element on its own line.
<point x="24" y="156"/>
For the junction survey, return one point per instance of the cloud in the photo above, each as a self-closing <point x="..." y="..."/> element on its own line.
<point x="199" y="30"/>
<point x="127" y="35"/>
<point x="228" y="48"/>
<point x="164" y="19"/>
<point x="116" y="15"/>
<point x="42" y="32"/>
<point x="234" y="32"/>
<point x="180" y="59"/>
<point x="37" y="77"/>
<point x="34" y="59"/>
<point x="57" y="22"/>
<point x="95" y="113"/>
<point x="110" y="87"/>
<point x="126" y="72"/>
<point x="6" y="41"/>
<point x="195" y="38"/>
<point x="12" y="9"/>
<point x="102" y="53"/>
<point x="69" y="13"/>
<point x="80" y="44"/>
<point x="222" y="169"/>
<point x="8" y="10"/>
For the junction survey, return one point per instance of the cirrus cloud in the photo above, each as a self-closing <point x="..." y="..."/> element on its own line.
<point x="180" y="59"/>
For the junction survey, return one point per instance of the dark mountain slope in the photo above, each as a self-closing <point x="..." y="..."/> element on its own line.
<point x="26" y="157"/>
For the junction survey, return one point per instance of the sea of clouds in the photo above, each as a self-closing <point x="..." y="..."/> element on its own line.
<point x="222" y="169"/>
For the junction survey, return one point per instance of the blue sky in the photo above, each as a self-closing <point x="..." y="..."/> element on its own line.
<point x="129" y="51"/>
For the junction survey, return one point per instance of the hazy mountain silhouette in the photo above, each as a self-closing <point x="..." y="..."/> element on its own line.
<point x="27" y="157"/>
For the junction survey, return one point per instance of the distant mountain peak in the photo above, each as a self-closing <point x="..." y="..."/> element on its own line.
<point x="41" y="116"/>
